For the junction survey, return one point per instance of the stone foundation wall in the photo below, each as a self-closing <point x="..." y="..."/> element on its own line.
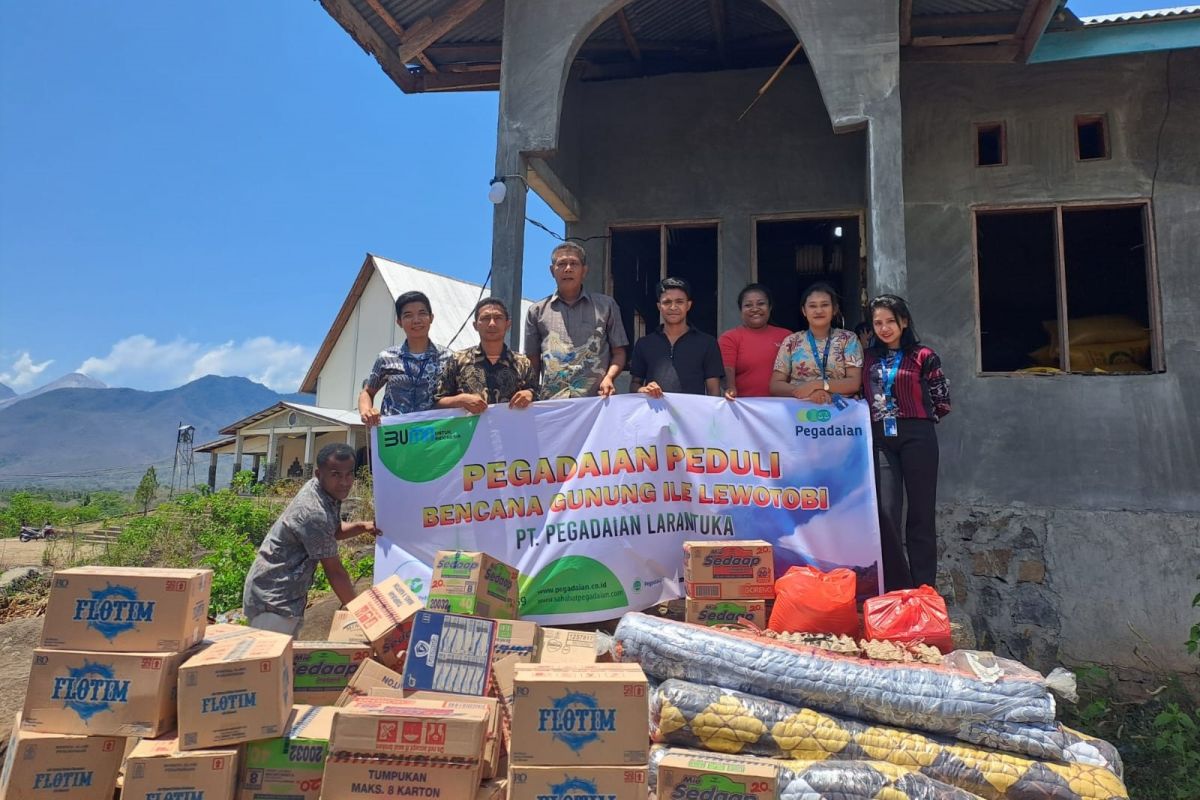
<point x="1072" y="586"/>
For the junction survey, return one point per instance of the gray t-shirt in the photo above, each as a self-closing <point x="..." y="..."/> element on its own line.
<point x="575" y="342"/>
<point x="282" y="572"/>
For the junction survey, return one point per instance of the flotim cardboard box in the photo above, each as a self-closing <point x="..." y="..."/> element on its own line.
<point x="113" y="694"/>
<point x="725" y="612"/>
<point x="321" y="670"/>
<point x="688" y="775"/>
<point x="491" y="740"/>
<point x="589" y="715"/>
<point x="290" y="766"/>
<point x="610" y="783"/>
<point x="236" y="690"/>
<point x="345" y="628"/>
<point x="220" y="631"/>
<point x="368" y="676"/>
<point x="157" y="770"/>
<point x="514" y="637"/>
<point x="49" y="766"/>
<point x="561" y="646"/>
<point x="724" y="570"/>
<point x="450" y="653"/>
<point x="385" y="613"/>
<point x="473" y="583"/>
<point x="428" y="748"/>
<point x="126" y="609"/>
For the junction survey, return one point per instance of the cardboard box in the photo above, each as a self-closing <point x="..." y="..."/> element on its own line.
<point x="562" y="646"/>
<point x="473" y="583"/>
<point x="611" y="783"/>
<point x="493" y="790"/>
<point x="725" y="612"/>
<point x="725" y="570"/>
<point x="589" y="715"/>
<point x="450" y="653"/>
<point x="51" y="766"/>
<point x="126" y="609"/>
<point x="157" y="769"/>
<point x="515" y="637"/>
<point x="290" y="766"/>
<point x="491" y="739"/>
<point x="219" y="631"/>
<point x="236" y="690"/>
<point x="345" y="628"/>
<point x="503" y="690"/>
<point x="112" y="694"/>
<point x="385" y="613"/>
<point x="426" y="747"/>
<point x="369" y="675"/>
<point x="697" y="776"/>
<point x="321" y="670"/>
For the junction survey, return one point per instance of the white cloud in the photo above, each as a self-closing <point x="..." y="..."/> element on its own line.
<point x="141" y="362"/>
<point x="23" y="372"/>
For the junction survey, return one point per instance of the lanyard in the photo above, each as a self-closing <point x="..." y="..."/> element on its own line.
<point x="890" y="367"/>
<point x="821" y="362"/>
<point x="425" y="359"/>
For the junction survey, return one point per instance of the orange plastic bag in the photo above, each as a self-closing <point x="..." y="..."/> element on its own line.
<point x="810" y="601"/>
<point x="909" y="615"/>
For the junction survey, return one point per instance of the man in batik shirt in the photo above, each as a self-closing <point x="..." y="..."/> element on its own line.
<point x="489" y="372"/>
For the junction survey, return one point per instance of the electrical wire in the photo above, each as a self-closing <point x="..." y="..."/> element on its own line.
<point x="1162" y="126"/>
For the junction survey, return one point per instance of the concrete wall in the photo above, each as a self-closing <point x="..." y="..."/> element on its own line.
<point x="1093" y="479"/>
<point x="670" y="148"/>
<point x="371" y="327"/>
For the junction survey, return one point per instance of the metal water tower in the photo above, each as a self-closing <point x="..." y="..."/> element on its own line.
<point x="183" y="473"/>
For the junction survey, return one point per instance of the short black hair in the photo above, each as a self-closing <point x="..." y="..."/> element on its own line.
<point x="666" y="284"/>
<point x="489" y="301"/>
<point x="411" y="297"/>
<point x="339" y="451"/>
<point x="864" y="327"/>
<point x="754" y="287"/>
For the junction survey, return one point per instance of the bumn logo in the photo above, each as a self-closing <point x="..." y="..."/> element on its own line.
<point x="113" y="610"/>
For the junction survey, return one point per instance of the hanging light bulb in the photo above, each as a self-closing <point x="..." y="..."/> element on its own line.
<point x="497" y="191"/>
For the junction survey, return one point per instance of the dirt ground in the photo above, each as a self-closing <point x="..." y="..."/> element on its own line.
<point x="15" y="553"/>
<point x="17" y="640"/>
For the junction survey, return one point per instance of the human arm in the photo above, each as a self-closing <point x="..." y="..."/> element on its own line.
<point x="729" y="356"/>
<point x="448" y="395"/>
<point x="533" y="341"/>
<point x="349" y="530"/>
<point x="339" y="579"/>
<point x="712" y="387"/>
<point x="366" y="408"/>
<point x="939" y="385"/>
<point x="607" y="383"/>
<point x="782" y="387"/>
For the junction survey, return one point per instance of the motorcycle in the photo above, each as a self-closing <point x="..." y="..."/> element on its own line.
<point x="29" y="534"/>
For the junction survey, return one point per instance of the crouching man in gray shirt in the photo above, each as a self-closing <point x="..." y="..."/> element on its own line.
<point x="307" y="532"/>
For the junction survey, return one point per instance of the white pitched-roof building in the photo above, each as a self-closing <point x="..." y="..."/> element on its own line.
<point x="283" y="439"/>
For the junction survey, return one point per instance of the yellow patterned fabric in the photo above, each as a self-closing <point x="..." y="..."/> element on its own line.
<point x="723" y="721"/>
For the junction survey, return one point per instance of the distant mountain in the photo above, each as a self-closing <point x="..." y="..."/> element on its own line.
<point x="6" y="392"/>
<point x="101" y="437"/>
<point x="72" y="380"/>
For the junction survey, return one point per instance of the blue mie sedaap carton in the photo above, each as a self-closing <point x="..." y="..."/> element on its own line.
<point x="450" y="653"/>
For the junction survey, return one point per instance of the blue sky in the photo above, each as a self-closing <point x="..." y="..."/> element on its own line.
<point x="189" y="188"/>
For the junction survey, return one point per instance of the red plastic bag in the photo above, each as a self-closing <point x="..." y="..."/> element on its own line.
<point x="909" y="615"/>
<point x="810" y="601"/>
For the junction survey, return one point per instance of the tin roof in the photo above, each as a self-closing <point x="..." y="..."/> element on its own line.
<point x="1148" y="15"/>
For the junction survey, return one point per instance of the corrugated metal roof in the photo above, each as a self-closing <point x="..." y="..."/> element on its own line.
<point x="924" y="8"/>
<point x="1151" y="14"/>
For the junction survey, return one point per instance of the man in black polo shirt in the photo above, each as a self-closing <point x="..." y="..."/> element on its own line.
<point x="676" y="357"/>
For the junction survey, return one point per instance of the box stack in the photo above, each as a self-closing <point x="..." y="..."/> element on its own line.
<point x="579" y="730"/>
<point x="113" y="643"/>
<point x="728" y="581"/>
<point x="473" y="583"/>
<point x="291" y="765"/>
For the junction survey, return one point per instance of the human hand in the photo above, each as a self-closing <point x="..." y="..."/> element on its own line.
<point x="652" y="389"/>
<point x="730" y="395"/>
<point x="472" y="403"/>
<point x="369" y="527"/>
<point x="521" y="399"/>
<point x="371" y="417"/>
<point x="820" y="396"/>
<point x="607" y="388"/>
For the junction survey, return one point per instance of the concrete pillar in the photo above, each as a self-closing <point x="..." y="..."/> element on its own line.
<point x="255" y="463"/>
<point x="212" y="471"/>
<point x="350" y="437"/>
<point x="309" y="440"/>
<point x="237" y="453"/>
<point x="508" y="238"/>
<point x="272" y="467"/>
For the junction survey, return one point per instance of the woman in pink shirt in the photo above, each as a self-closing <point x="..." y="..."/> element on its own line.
<point x="748" y="351"/>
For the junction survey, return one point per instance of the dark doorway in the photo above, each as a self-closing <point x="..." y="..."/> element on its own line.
<point x="795" y="254"/>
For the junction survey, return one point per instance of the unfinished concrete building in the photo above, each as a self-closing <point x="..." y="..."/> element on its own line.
<point x="1029" y="180"/>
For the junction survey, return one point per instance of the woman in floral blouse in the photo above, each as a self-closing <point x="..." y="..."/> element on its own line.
<point x="821" y="362"/>
<point x="909" y="394"/>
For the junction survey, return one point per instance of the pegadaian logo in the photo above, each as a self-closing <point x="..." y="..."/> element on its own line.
<point x="90" y="689"/>
<point x="113" y="610"/>
<point x="576" y="720"/>
<point x="575" y="789"/>
<point x="813" y="415"/>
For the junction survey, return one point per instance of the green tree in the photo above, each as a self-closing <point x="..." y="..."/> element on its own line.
<point x="146" y="490"/>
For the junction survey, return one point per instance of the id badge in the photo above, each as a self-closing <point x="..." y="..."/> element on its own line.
<point x="889" y="426"/>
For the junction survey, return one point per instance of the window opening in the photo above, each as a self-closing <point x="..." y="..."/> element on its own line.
<point x="794" y="254"/>
<point x="990" y="145"/>
<point x="1091" y="137"/>
<point x="636" y="261"/>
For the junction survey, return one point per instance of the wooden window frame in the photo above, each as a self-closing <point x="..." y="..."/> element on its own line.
<point x="1003" y="162"/>
<point x="1087" y="119"/>
<point x="1153" y="297"/>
